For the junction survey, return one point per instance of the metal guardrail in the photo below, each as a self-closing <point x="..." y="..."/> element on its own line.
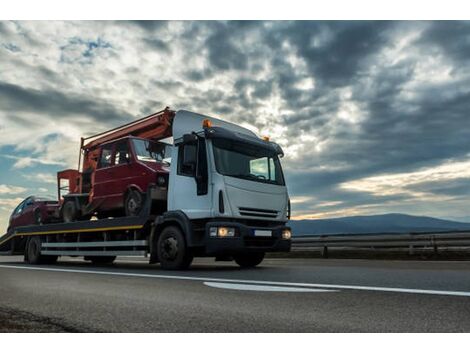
<point x="430" y="240"/>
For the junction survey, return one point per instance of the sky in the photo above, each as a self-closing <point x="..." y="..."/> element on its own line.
<point x="374" y="117"/>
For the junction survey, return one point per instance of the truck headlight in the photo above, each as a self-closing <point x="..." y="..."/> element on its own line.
<point x="286" y="234"/>
<point x="222" y="232"/>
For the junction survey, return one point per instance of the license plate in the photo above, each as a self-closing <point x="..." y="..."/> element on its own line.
<point x="263" y="233"/>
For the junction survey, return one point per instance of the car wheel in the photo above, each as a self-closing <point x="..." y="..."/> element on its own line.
<point x="172" y="250"/>
<point x="69" y="211"/>
<point x="38" y="217"/>
<point x="133" y="203"/>
<point x="249" y="260"/>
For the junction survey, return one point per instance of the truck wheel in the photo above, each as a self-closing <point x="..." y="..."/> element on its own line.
<point x="34" y="255"/>
<point x="101" y="259"/>
<point x="133" y="203"/>
<point x="69" y="211"/>
<point x="172" y="250"/>
<point x="249" y="260"/>
<point x="37" y="217"/>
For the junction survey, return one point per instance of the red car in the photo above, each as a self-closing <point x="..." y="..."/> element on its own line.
<point x="33" y="210"/>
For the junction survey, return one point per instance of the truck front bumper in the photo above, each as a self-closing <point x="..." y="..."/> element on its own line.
<point x="247" y="239"/>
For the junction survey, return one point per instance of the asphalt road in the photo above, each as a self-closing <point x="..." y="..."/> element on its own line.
<point x="283" y="295"/>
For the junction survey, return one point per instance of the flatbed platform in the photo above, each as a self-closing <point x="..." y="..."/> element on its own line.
<point x="121" y="224"/>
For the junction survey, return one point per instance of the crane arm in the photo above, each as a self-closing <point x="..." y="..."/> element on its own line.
<point x="155" y="126"/>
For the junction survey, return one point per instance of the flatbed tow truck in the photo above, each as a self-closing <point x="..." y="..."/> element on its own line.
<point x="216" y="209"/>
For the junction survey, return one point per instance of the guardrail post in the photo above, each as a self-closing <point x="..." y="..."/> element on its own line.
<point x="324" y="252"/>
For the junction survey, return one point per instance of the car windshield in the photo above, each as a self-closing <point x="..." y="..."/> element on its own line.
<point x="247" y="161"/>
<point x="152" y="151"/>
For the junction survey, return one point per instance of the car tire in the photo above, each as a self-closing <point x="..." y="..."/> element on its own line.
<point x="133" y="203"/>
<point x="249" y="260"/>
<point x="101" y="259"/>
<point x="172" y="250"/>
<point x="69" y="211"/>
<point x="38" y="217"/>
<point x="33" y="251"/>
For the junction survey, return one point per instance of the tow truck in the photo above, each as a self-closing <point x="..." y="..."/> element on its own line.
<point x="222" y="195"/>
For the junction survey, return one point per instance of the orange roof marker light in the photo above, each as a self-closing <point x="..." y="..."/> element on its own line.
<point x="266" y="138"/>
<point x="206" y="123"/>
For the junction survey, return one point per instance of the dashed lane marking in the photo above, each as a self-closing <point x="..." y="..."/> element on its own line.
<point x="241" y="281"/>
<point x="265" y="288"/>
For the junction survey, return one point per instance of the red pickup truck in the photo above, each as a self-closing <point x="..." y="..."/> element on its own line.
<point x="118" y="166"/>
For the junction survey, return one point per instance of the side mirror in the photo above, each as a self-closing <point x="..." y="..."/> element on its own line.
<point x="189" y="137"/>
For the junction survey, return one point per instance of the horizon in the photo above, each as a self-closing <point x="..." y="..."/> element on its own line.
<point x="372" y="116"/>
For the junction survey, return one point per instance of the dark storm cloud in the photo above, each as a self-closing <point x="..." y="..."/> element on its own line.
<point x="223" y="54"/>
<point x="55" y="104"/>
<point x="457" y="188"/>
<point x="453" y="37"/>
<point x="402" y="124"/>
<point x="149" y="26"/>
<point x="157" y="44"/>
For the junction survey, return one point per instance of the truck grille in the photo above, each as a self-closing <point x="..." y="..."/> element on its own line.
<point x="263" y="213"/>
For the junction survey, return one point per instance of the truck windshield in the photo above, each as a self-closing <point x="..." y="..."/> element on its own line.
<point x="152" y="151"/>
<point x="247" y="161"/>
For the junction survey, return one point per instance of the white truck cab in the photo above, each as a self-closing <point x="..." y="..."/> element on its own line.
<point x="226" y="190"/>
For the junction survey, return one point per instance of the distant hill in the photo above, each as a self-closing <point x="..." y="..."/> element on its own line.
<point x="386" y="223"/>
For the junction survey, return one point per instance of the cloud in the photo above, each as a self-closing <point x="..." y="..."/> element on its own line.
<point x="8" y="189"/>
<point x="373" y="116"/>
<point x="23" y="162"/>
<point x="42" y="177"/>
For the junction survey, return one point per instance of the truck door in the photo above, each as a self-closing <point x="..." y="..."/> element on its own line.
<point x="189" y="181"/>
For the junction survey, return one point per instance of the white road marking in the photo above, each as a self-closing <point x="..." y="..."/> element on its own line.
<point x="245" y="287"/>
<point x="241" y="281"/>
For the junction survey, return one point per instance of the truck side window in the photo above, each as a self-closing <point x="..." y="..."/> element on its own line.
<point x="185" y="150"/>
<point x="122" y="153"/>
<point x="106" y="154"/>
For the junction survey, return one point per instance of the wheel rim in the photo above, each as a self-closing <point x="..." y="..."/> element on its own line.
<point x="169" y="249"/>
<point x="134" y="203"/>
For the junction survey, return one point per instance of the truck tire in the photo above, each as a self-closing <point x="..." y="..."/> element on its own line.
<point x="172" y="250"/>
<point x="101" y="259"/>
<point x="33" y="253"/>
<point x="133" y="203"/>
<point x="69" y="211"/>
<point x="249" y="260"/>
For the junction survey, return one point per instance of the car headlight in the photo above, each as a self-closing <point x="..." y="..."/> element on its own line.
<point x="222" y="232"/>
<point x="161" y="181"/>
<point x="286" y="234"/>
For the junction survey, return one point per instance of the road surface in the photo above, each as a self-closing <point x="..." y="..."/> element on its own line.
<point x="283" y="295"/>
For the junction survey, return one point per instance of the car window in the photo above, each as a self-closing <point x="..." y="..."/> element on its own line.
<point x="106" y="154"/>
<point x="19" y="208"/>
<point x="122" y="153"/>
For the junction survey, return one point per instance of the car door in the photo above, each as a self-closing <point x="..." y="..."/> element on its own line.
<point x="15" y="218"/>
<point x="27" y="215"/>
<point x="123" y="171"/>
<point x="104" y="177"/>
